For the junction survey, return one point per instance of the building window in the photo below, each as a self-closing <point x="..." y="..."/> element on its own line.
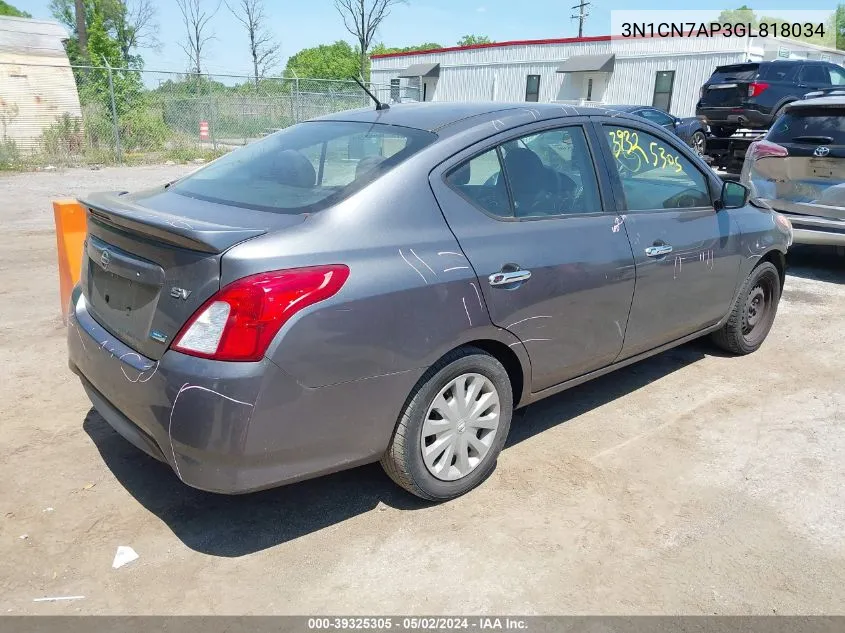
<point x="663" y="89"/>
<point x="532" y="88"/>
<point x="394" y="90"/>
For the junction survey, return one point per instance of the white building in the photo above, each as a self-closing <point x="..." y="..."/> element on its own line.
<point x="665" y="72"/>
<point x="37" y="85"/>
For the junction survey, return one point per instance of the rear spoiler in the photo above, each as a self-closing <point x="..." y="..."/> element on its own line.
<point x="111" y="209"/>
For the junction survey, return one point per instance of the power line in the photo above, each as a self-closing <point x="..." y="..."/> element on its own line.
<point x="581" y="15"/>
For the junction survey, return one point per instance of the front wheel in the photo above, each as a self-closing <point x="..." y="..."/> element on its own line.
<point x="453" y="427"/>
<point x="753" y="314"/>
<point x="698" y="142"/>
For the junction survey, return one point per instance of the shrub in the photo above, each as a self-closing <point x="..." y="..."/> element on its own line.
<point x="10" y="156"/>
<point x="64" y="137"/>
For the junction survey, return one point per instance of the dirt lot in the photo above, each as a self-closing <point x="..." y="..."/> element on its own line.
<point x="689" y="483"/>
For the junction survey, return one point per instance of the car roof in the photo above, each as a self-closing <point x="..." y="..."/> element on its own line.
<point x="819" y="102"/>
<point x="439" y="116"/>
<point x="627" y="108"/>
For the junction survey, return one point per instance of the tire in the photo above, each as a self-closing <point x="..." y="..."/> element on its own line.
<point x="404" y="462"/>
<point x="698" y="142"/>
<point x="748" y="324"/>
<point x="722" y="132"/>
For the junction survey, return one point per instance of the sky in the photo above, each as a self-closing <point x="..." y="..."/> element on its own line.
<point x="299" y="25"/>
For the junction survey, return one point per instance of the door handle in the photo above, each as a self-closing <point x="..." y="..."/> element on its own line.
<point x="510" y="277"/>
<point x="658" y="251"/>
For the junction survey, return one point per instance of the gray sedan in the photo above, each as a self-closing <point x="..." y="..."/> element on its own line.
<point x="389" y="285"/>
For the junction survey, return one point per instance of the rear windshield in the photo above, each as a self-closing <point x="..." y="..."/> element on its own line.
<point x="304" y="168"/>
<point x="810" y="123"/>
<point x="739" y="72"/>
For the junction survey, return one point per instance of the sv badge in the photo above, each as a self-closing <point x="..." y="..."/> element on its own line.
<point x="180" y="293"/>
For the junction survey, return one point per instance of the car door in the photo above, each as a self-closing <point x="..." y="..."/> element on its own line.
<point x="813" y="77"/>
<point x="687" y="254"/>
<point x="531" y="212"/>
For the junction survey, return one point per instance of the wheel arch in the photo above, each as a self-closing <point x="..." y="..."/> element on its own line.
<point x="778" y="259"/>
<point x="510" y="361"/>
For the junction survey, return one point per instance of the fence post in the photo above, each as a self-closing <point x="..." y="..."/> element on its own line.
<point x="213" y="126"/>
<point x="117" y="151"/>
<point x="298" y="100"/>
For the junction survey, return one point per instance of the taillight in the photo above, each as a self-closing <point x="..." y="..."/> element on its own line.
<point x="756" y="87"/>
<point x="762" y="149"/>
<point x="239" y="322"/>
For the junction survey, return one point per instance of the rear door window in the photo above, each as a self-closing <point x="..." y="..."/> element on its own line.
<point x="306" y="167"/>
<point x="809" y="125"/>
<point x="481" y="182"/>
<point x="653" y="173"/>
<point x="551" y="173"/>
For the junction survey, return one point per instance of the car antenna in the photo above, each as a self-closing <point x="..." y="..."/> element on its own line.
<point x="379" y="104"/>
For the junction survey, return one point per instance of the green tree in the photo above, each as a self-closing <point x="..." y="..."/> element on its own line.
<point x="104" y="50"/>
<point x="743" y="14"/>
<point x="469" y="40"/>
<point x="8" y="9"/>
<point x="327" y="61"/>
<point x="381" y="49"/>
<point x="130" y="23"/>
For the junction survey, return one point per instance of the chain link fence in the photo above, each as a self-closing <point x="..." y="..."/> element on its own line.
<point x="74" y="115"/>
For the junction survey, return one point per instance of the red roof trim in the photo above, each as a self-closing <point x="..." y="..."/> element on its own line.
<point x="565" y="40"/>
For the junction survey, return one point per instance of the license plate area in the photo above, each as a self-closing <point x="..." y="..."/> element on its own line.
<point x="823" y="168"/>
<point x="121" y="290"/>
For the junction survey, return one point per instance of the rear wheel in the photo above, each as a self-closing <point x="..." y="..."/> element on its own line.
<point x="753" y="313"/>
<point x="453" y="427"/>
<point x="698" y="142"/>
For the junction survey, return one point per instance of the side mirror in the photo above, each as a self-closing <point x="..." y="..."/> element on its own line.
<point x="734" y="195"/>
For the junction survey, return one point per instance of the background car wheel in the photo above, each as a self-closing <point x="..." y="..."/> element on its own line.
<point x="698" y="142"/>
<point x="753" y="313"/>
<point x="453" y="427"/>
<point x="722" y="132"/>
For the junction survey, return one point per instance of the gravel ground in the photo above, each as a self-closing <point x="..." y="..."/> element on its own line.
<point x="689" y="483"/>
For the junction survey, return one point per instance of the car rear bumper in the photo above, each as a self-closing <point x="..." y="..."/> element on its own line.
<point x="734" y="117"/>
<point x="232" y="427"/>
<point x="808" y="228"/>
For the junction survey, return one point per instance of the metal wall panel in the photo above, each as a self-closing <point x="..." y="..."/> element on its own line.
<point x="499" y="73"/>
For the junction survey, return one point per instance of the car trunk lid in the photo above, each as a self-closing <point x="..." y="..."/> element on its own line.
<point x="814" y="169"/>
<point x="151" y="259"/>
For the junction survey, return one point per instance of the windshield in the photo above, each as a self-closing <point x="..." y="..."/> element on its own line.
<point x="306" y="167"/>
<point x="808" y="125"/>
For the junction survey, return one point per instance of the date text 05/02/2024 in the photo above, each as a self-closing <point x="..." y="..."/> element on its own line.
<point x="416" y="623"/>
<point x="723" y="29"/>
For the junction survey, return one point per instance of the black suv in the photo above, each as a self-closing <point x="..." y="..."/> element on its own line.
<point x="751" y="95"/>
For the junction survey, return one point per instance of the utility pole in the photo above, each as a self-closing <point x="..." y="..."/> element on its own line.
<point x="581" y="16"/>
